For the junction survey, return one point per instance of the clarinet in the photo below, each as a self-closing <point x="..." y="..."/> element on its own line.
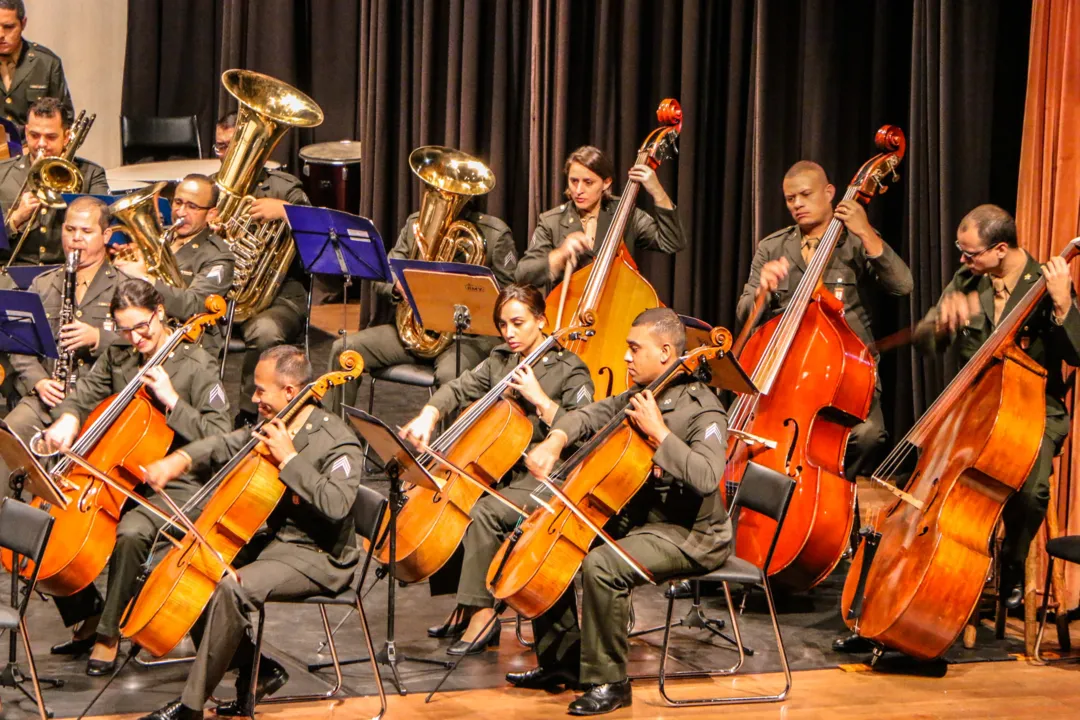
<point x="65" y="371"/>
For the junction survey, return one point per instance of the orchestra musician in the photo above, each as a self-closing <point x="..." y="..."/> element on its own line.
<point x="569" y="232"/>
<point x="861" y="261"/>
<point x="204" y="259"/>
<point x="676" y="524"/>
<point x="559" y="383"/>
<point x="283" y="321"/>
<point x="28" y="71"/>
<point x="47" y="133"/>
<point x="195" y="405"/>
<point x="309" y="547"/>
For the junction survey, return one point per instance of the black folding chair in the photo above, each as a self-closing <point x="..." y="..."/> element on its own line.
<point x="24" y="530"/>
<point x="146" y="139"/>
<point x="1066" y="548"/>
<point x="368" y="510"/>
<point x="768" y="493"/>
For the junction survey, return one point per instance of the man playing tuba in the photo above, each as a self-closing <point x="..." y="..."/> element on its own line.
<point x="382" y="345"/>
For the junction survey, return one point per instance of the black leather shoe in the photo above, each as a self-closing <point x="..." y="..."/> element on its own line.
<point x="272" y="677"/>
<point x="74" y="647"/>
<point x="852" y="644"/>
<point x="1015" y="598"/>
<point x="541" y="678"/>
<point x="602" y="699"/>
<point x="490" y="640"/>
<point x="447" y="629"/>
<point x="97" y="668"/>
<point x="175" y="710"/>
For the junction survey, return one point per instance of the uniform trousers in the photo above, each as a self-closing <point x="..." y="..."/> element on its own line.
<point x="491" y="523"/>
<point x="598" y="649"/>
<point x="276" y="325"/>
<point x="224" y="634"/>
<point x="865" y="442"/>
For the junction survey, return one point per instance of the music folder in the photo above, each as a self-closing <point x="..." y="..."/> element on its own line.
<point x="437" y="290"/>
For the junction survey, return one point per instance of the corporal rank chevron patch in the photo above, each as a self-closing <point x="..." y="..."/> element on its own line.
<point x="714" y="431"/>
<point x="217" y="398"/>
<point x="583" y="393"/>
<point x="342" y="465"/>
<point x="216" y="273"/>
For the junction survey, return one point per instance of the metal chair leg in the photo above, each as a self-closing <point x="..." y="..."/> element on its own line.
<point x="521" y="638"/>
<point x="1045" y="606"/>
<point x="335" y="690"/>
<point x="33" y="670"/>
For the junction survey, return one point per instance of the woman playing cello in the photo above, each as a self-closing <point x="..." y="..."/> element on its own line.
<point x="559" y="382"/>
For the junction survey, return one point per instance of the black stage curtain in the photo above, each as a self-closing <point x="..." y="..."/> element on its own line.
<point x="521" y="83"/>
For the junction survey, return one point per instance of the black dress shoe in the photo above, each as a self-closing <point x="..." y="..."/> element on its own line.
<point x="175" y="710"/>
<point x="272" y="677"/>
<point x="542" y="678"/>
<point x="74" y="647"/>
<point x="602" y="699"/>
<point x="97" y="668"/>
<point x="1015" y="598"/>
<point x="852" y="644"/>
<point x="490" y="640"/>
<point x="447" y="629"/>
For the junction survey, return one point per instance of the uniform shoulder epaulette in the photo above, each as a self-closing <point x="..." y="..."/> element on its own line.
<point x="554" y="212"/>
<point x="491" y="221"/>
<point x="39" y="48"/>
<point x="46" y="275"/>
<point x="332" y="424"/>
<point x="703" y="393"/>
<point x="783" y="232"/>
<point x="284" y="176"/>
<point x="219" y="242"/>
<point x="11" y="161"/>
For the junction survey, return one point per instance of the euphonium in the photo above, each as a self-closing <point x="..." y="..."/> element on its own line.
<point x="268" y="109"/>
<point x="451" y="178"/>
<point x="137" y="214"/>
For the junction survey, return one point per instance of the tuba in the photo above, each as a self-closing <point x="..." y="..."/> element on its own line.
<point x="137" y="214"/>
<point x="268" y="109"/>
<point x="451" y="178"/>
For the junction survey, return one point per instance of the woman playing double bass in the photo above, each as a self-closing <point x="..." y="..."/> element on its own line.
<point x="559" y="383"/>
<point x="187" y="389"/>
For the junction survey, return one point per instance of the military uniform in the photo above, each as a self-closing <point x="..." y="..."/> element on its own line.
<point x="1048" y="344"/>
<point x="283" y="320"/>
<point x="201" y="411"/>
<point x="662" y="231"/>
<point x="565" y="379"/>
<point x="206" y="264"/>
<point x="851" y="276"/>
<point x="309" y="546"/>
<point x="43" y="245"/>
<point x="381" y="346"/>
<point x="676" y="525"/>
<point x="38" y="73"/>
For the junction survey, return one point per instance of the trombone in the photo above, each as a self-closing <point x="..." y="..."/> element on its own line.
<point x="50" y="177"/>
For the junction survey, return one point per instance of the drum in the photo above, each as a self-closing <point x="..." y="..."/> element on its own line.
<point x="331" y="174"/>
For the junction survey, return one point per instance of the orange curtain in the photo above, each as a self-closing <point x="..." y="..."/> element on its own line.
<point x="1048" y="200"/>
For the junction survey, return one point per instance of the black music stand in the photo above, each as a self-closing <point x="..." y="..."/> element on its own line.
<point x="401" y="466"/>
<point x="332" y="242"/>
<point x="450" y="297"/>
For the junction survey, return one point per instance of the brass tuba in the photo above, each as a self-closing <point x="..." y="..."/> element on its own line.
<point x="451" y="178"/>
<point x="137" y="214"/>
<point x="268" y="109"/>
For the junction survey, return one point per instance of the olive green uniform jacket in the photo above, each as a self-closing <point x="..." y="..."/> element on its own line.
<point x="206" y="263"/>
<point x="38" y="73"/>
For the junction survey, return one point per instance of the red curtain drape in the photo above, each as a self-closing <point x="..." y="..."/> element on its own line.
<point x="1048" y="199"/>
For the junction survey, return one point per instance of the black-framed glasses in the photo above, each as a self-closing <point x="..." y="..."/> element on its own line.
<point x="142" y="328"/>
<point x="971" y="255"/>
<point x="179" y="203"/>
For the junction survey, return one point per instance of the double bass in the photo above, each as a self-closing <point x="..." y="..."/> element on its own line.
<point x="918" y="574"/>
<point x="610" y="292"/>
<point x="537" y="563"/>
<point x="123" y="434"/>
<point x="242" y="495"/>
<point x="817" y="381"/>
<point x="485" y="441"/>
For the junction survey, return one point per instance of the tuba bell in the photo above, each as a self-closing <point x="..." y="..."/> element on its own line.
<point x="451" y="178"/>
<point x="268" y="109"/>
<point x="137" y="214"/>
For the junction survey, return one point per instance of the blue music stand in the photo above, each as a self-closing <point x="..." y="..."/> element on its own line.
<point x="332" y="242"/>
<point x="24" y="329"/>
<point x="23" y="275"/>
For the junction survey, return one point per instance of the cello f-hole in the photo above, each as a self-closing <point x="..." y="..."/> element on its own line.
<point x="605" y="370"/>
<point x="791" y="447"/>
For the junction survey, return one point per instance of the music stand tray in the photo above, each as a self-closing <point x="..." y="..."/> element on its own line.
<point x="24" y="329"/>
<point x="436" y="289"/>
<point x="20" y="460"/>
<point x="23" y="275"/>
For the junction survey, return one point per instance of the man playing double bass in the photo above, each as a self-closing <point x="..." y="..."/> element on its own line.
<point x="675" y="525"/>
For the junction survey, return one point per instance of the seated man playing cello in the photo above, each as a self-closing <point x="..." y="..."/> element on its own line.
<point x="187" y="389"/>
<point x="309" y="548"/>
<point x="675" y="525"/>
<point x="559" y="383"/>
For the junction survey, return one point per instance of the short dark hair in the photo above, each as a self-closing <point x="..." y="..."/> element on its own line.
<point x="89" y="202"/>
<point x="290" y="362"/>
<point x="228" y="120"/>
<point x="993" y="224"/>
<point x="135" y="293"/>
<point x="806" y="166"/>
<point x="49" y="107"/>
<point x="205" y="180"/>
<point x="665" y="324"/>
<point x="527" y="295"/>
<point x="16" y="5"/>
<point x="594" y="159"/>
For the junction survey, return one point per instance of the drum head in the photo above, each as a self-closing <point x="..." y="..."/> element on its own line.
<point x="339" y="152"/>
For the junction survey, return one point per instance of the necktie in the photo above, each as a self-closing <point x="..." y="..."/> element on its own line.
<point x="1001" y="297"/>
<point x="809" y="245"/>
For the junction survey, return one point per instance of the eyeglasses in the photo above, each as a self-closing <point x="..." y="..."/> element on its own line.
<point x="190" y="206"/>
<point x="142" y="328"/>
<point x="969" y="255"/>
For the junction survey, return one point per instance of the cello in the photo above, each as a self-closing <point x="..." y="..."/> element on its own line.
<point x="244" y="494"/>
<point x="485" y="441"/>
<point x="537" y="563"/>
<point x="918" y="574"/>
<point x="123" y="434"/>
<point x="611" y="292"/>
<point x="817" y="381"/>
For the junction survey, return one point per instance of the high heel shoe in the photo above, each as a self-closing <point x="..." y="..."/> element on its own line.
<point x="451" y="628"/>
<point x="491" y="640"/>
